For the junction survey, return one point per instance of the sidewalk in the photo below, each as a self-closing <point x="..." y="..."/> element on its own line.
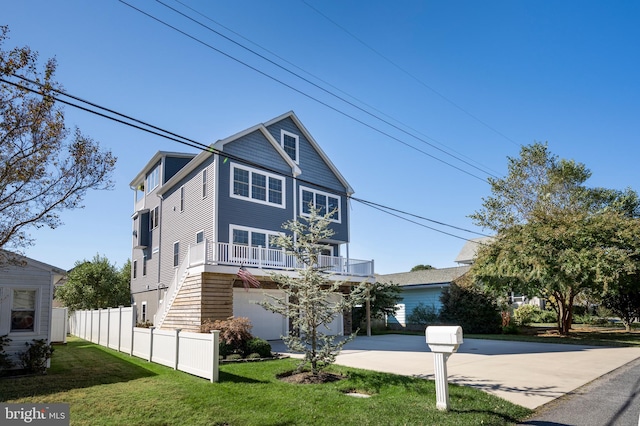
<point x="528" y="374"/>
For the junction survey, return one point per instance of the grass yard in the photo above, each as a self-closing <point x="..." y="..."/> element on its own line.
<point x="104" y="387"/>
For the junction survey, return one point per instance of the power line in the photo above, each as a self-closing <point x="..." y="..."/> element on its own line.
<point x="485" y="170"/>
<point x="308" y="95"/>
<point x="158" y="131"/>
<point x="403" y="70"/>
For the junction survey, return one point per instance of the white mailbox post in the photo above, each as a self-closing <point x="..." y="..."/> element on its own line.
<point x="443" y="341"/>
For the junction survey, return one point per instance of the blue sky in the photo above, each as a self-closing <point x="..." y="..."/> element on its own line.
<point x="475" y="79"/>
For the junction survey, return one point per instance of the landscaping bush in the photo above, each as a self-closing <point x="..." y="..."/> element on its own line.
<point x="423" y="315"/>
<point x="34" y="359"/>
<point x="234" y="334"/>
<point x="254" y="356"/>
<point x="525" y="314"/>
<point x="259" y="346"/>
<point x="5" y="361"/>
<point x="471" y="309"/>
<point x="545" y="316"/>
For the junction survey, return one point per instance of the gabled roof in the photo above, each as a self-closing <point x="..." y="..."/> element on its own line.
<point x="315" y="146"/>
<point x="425" y="277"/>
<point x="469" y="251"/>
<point x="5" y="255"/>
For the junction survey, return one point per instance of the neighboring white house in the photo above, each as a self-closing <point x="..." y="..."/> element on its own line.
<point x="26" y="293"/>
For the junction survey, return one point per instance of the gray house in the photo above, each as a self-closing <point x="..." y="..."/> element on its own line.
<point x="199" y="218"/>
<point x="26" y="293"/>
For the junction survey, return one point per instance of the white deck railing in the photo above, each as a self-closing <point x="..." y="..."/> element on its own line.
<point x="206" y="253"/>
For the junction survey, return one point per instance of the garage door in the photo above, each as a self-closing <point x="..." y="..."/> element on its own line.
<point x="266" y="324"/>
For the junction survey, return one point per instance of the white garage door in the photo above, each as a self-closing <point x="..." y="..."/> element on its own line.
<point x="266" y="324"/>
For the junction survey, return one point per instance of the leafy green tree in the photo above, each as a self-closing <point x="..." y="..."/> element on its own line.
<point x="556" y="238"/>
<point x="309" y="299"/>
<point x="624" y="300"/>
<point x="471" y="308"/>
<point x="96" y="284"/>
<point x="421" y="268"/>
<point x="45" y="168"/>
<point x="383" y="301"/>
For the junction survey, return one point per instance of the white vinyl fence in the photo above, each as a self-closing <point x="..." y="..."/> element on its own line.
<point x="193" y="353"/>
<point x="59" y="325"/>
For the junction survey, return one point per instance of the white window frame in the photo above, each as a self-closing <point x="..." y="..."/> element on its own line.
<point x="36" y="310"/>
<point x="325" y="194"/>
<point x="154" y="217"/>
<point x="250" y="230"/>
<point x="135" y="269"/>
<point x="143" y="312"/>
<point x="201" y="232"/>
<point x="204" y="184"/>
<point x="297" y="138"/>
<point x="153" y="179"/>
<point x="182" y="198"/>
<point x="268" y="176"/>
<point x="176" y="256"/>
<point x="144" y="265"/>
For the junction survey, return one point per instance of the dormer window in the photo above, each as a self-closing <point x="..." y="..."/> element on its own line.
<point x="290" y="144"/>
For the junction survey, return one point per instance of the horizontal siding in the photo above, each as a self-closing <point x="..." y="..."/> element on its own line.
<point x="413" y="297"/>
<point x="25" y="278"/>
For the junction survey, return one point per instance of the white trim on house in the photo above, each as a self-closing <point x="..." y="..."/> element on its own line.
<point x="250" y="196"/>
<point x="327" y="195"/>
<point x="284" y="133"/>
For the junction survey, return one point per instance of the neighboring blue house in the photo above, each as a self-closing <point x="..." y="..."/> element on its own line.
<point x="198" y="218"/>
<point x="420" y="287"/>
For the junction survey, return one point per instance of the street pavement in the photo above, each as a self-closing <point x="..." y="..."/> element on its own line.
<point x="611" y="400"/>
<point x="525" y="373"/>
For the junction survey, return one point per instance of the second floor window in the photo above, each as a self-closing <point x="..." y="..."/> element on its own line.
<point x="289" y="143"/>
<point x="257" y="186"/>
<point x="154" y="217"/>
<point x="323" y="201"/>
<point x="176" y="254"/>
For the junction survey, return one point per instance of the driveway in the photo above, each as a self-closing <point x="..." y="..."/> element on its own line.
<point x="528" y="374"/>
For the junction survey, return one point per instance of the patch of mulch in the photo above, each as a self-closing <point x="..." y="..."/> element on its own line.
<point x="307" y="378"/>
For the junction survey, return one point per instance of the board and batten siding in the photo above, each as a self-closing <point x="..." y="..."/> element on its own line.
<point x="182" y="226"/>
<point x="29" y="277"/>
<point x="234" y="211"/>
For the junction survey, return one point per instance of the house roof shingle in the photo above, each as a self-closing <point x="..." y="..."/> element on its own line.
<point x="425" y="277"/>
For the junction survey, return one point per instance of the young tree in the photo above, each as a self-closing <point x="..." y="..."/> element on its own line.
<point x="383" y="301"/>
<point x="555" y="236"/>
<point x="44" y="167"/>
<point x="96" y="284"/>
<point x="309" y="299"/>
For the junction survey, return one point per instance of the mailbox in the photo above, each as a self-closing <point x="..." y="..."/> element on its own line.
<point x="445" y="339"/>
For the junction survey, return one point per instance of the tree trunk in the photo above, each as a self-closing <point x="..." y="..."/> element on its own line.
<point x="565" y="311"/>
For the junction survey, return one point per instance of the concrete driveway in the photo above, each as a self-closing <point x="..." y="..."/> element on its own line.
<point x="528" y="374"/>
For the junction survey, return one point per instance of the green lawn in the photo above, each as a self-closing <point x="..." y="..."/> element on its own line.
<point x="106" y="387"/>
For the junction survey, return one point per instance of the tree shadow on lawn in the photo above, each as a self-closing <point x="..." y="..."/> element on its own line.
<point x="78" y="364"/>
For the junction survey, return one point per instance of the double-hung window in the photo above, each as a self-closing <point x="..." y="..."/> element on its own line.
<point x="154" y="217"/>
<point x="204" y="183"/>
<point x="257" y="186"/>
<point x="255" y="245"/>
<point x="176" y="253"/>
<point x="23" y="310"/>
<point x="323" y="201"/>
<point x="291" y="145"/>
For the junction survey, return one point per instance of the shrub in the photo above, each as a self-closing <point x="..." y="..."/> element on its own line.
<point x="5" y="361"/>
<point x="423" y="314"/>
<point x="470" y="308"/>
<point x="145" y="324"/>
<point x="545" y="316"/>
<point x="525" y="314"/>
<point x="34" y="359"/>
<point x="234" y="333"/>
<point x="234" y="357"/>
<point x="259" y="346"/>
<point x="254" y="356"/>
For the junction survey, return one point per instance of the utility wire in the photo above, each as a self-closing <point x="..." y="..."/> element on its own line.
<point x="280" y="58"/>
<point x="403" y="70"/>
<point x="304" y="93"/>
<point x="158" y="131"/>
